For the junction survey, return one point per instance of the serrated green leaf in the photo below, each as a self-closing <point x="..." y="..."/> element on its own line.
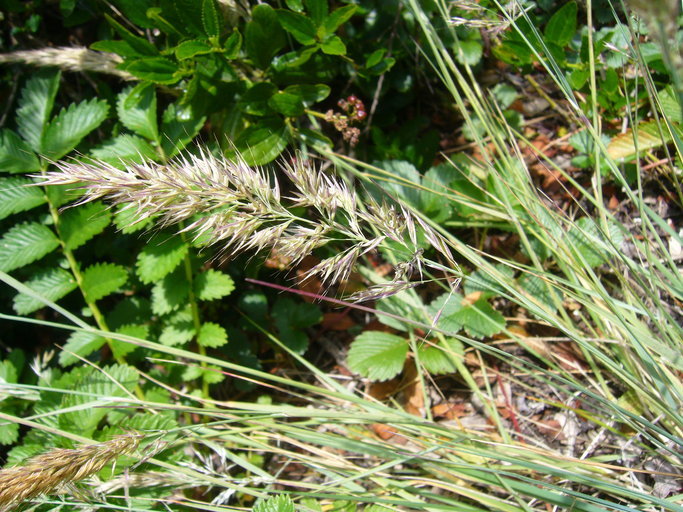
<point x="482" y="281"/>
<point x="212" y="374"/>
<point x="102" y="279"/>
<point x="192" y="372"/>
<point x="377" y="355"/>
<point x="9" y="432"/>
<point x="262" y="142"/>
<point x="35" y="105"/>
<point x="562" y="25"/>
<point x="588" y="243"/>
<point x="480" y="320"/>
<point x="298" y="25"/>
<point x="127" y="221"/>
<point x="280" y="503"/>
<point x="212" y="335"/>
<point x="263" y="36"/>
<point x="70" y="126"/>
<point x="137" y="110"/>
<point x="443" y="309"/>
<point x="170" y="293"/>
<point x="177" y="334"/>
<point x="159" y="70"/>
<point x="213" y="284"/>
<point x="15" y="155"/>
<point x="120" y="349"/>
<point x="192" y="48"/>
<point x="402" y="305"/>
<point x="16" y="196"/>
<point x="52" y="284"/>
<point x="211" y="18"/>
<point x="162" y="254"/>
<point x="82" y="344"/>
<point x="125" y="147"/>
<point x="79" y="224"/>
<point x="25" y="243"/>
<point x="179" y="126"/>
<point x="437" y="359"/>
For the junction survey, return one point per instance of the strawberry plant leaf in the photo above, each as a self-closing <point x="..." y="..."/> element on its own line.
<point x="588" y="242"/>
<point x="102" y="279"/>
<point x="137" y="110"/>
<point x="126" y="220"/>
<point x="162" y="254"/>
<point x="436" y="359"/>
<point x="25" y="243"/>
<point x="78" y="225"/>
<point x="35" y="105"/>
<point x="69" y="127"/>
<point x="377" y="355"/>
<point x="15" y="155"/>
<point x="177" y="334"/>
<point x="212" y="335"/>
<point x="480" y="320"/>
<point x="213" y="284"/>
<point x="279" y="503"/>
<point x="16" y="196"/>
<point x="52" y="284"/>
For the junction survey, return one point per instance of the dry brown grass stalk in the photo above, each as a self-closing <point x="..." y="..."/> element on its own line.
<point x="69" y="59"/>
<point x="52" y="470"/>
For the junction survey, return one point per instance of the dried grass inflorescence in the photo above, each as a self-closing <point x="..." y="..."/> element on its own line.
<point x="59" y="467"/>
<point x="242" y="209"/>
<point x="70" y="59"/>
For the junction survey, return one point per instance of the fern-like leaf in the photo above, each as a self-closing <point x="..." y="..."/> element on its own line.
<point x="15" y="155"/>
<point x="102" y="279"/>
<point x="72" y="124"/>
<point x="53" y="284"/>
<point x="160" y="257"/>
<point x="35" y="105"/>
<point x="16" y="196"/>
<point x="78" y="225"/>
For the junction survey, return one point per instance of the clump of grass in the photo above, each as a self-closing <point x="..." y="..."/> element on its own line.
<point x="59" y="467"/>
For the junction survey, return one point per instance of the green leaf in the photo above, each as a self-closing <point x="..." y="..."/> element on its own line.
<point x="79" y="224"/>
<point x="191" y="48"/>
<point x="159" y="70"/>
<point x="179" y="125"/>
<point x="404" y="306"/>
<point x="9" y="432"/>
<point x="188" y="16"/>
<point x="333" y="45"/>
<point x="480" y="320"/>
<point x="82" y="344"/>
<point x="162" y="254"/>
<point x="336" y="19"/>
<point x="280" y="503"/>
<point x="177" y="334"/>
<point x="537" y="288"/>
<point x="70" y="126"/>
<point x="263" y="142"/>
<point x="562" y="25"/>
<point x="404" y="181"/>
<point x="52" y="284"/>
<point x="35" y="105"/>
<point x="482" y="281"/>
<point x="301" y="27"/>
<point x="127" y="221"/>
<point x="589" y="244"/>
<point x="24" y="244"/>
<point x="138" y="44"/>
<point x="137" y="110"/>
<point x="120" y="349"/>
<point x="121" y="48"/>
<point x="377" y="355"/>
<point x="309" y="93"/>
<point x="233" y="45"/>
<point x="16" y="196"/>
<point x="295" y="5"/>
<point x="212" y="374"/>
<point x="212" y="335"/>
<point x="317" y="9"/>
<point x="255" y="100"/>
<point x="469" y="52"/>
<point x="126" y="147"/>
<point x="15" y="155"/>
<point x="170" y="293"/>
<point x="213" y="284"/>
<point x="286" y="104"/>
<point x="436" y="359"/>
<point x="375" y="57"/>
<point x="102" y="279"/>
<point x="211" y="18"/>
<point x="263" y="36"/>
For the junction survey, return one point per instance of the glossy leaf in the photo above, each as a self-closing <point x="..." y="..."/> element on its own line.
<point x="69" y="127"/>
<point x="211" y="18"/>
<point x="263" y="142"/>
<point x="137" y="110"/>
<point x="298" y="25"/>
<point x="337" y="18"/>
<point x="35" y="105"/>
<point x="139" y="44"/>
<point x="333" y="46"/>
<point x="286" y="104"/>
<point x="15" y="155"/>
<point x="78" y="225"/>
<point x="191" y="48"/>
<point x="179" y="125"/>
<point x="16" y="196"/>
<point x="263" y="36"/>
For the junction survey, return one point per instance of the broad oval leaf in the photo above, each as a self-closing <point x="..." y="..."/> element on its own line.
<point x="24" y="244"/>
<point x="377" y="355"/>
<point x="263" y="142"/>
<point x="301" y="27"/>
<point x="188" y="49"/>
<point x="159" y="70"/>
<point x="263" y="36"/>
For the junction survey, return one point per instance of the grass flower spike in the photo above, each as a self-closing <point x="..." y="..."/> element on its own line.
<point x="241" y="208"/>
<point x="50" y="471"/>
